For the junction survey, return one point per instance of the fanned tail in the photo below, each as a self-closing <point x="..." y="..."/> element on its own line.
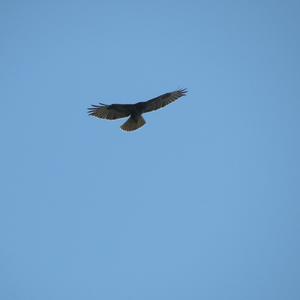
<point x="133" y="123"/>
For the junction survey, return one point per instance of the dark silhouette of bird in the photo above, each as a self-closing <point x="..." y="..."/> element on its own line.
<point x="134" y="111"/>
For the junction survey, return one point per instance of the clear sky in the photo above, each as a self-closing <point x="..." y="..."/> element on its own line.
<point x="202" y="202"/>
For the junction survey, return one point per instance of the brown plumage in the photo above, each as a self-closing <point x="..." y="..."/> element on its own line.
<point x="135" y="111"/>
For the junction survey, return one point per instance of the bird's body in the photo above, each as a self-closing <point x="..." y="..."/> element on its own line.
<point x="135" y="111"/>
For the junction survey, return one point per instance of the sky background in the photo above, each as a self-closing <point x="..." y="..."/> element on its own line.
<point x="202" y="202"/>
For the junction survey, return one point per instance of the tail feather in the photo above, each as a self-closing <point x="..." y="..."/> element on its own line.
<point x="133" y="123"/>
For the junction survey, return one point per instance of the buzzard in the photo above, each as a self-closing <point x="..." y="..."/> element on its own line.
<point x="134" y="111"/>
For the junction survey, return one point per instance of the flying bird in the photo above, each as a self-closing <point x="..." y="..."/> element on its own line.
<point x="134" y="111"/>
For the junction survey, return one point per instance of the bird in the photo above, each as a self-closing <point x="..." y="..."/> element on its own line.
<point x="134" y="111"/>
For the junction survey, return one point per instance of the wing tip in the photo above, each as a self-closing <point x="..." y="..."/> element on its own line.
<point x="182" y="91"/>
<point x="93" y="108"/>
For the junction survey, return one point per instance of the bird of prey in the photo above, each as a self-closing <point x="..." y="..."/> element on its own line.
<point x="134" y="111"/>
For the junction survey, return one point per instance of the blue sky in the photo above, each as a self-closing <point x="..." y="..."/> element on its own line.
<point x="202" y="202"/>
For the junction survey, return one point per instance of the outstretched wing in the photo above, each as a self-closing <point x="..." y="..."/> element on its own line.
<point x="163" y="100"/>
<point x="110" y="112"/>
